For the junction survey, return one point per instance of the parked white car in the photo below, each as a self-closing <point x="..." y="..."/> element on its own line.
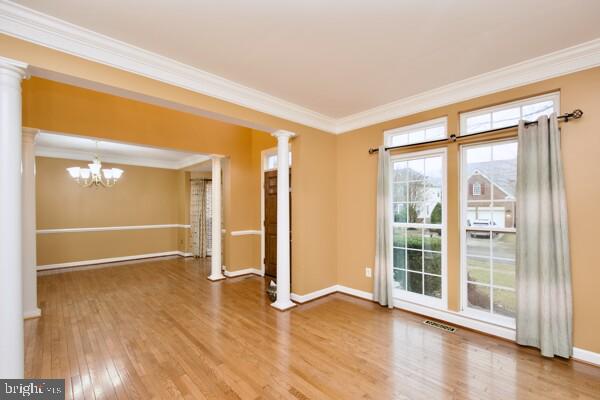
<point x="481" y="223"/>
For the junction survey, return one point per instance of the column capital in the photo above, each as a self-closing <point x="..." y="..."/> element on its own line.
<point x="29" y="135"/>
<point x="283" y="134"/>
<point x="216" y="156"/>
<point x="18" y="67"/>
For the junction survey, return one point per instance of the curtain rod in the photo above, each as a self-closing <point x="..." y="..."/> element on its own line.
<point x="576" y="114"/>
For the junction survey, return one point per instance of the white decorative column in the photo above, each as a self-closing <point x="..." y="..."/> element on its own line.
<point x="11" y="279"/>
<point x="283" y="301"/>
<point x="216" y="264"/>
<point x="30" y="306"/>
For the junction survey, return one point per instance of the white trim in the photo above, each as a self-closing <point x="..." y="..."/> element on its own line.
<point x="45" y="30"/>
<point x="422" y="298"/>
<point x="586" y="356"/>
<point x="355" y="292"/>
<point x="53" y="152"/>
<point x="388" y="134"/>
<point x="572" y="59"/>
<point x="107" y="260"/>
<point x="111" y="228"/>
<point x="240" y="272"/>
<point x="303" y="298"/>
<point x="184" y="254"/>
<point x="247" y="232"/>
<point x="465" y="310"/>
<point x="32" y="314"/>
<point x="30" y="25"/>
<point x="554" y="97"/>
<point x="457" y="319"/>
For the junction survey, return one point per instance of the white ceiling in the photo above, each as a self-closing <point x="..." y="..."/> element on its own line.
<point x="80" y="148"/>
<point x="339" y="57"/>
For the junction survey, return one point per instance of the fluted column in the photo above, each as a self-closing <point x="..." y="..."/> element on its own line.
<point x="30" y="306"/>
<point x="216" y="264"/>
<point x="11" y="274"/>
<point x="283" y="301"/>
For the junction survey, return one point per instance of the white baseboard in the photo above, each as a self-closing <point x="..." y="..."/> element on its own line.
<point x="586" y="356"/>
<point x="355" y="292"/>
<point x="303" y="298"/>
<point x="32" y="314"/>
<point x="108" y="260"/>
<point x="240" y="272"/>
<point x="183" y="254"/>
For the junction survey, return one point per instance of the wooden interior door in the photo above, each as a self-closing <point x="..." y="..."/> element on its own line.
<point x="271" y="223"/>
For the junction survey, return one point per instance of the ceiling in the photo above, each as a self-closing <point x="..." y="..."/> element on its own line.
<point x="339" y="57"/>
<point x="80" y="148"/>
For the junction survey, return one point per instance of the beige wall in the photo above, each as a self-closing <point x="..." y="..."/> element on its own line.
<point x="581" y="150"/>
<point x="333" y="196"/>
<point x="143" y="196"/>
<point x="313" y="198"/>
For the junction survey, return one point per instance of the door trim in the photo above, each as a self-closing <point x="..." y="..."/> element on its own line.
<point x="263" y="158"/>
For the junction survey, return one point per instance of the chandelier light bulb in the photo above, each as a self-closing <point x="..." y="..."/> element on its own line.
<point x="94" y="175"/>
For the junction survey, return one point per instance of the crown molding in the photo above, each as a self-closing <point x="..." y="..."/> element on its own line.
<point x="572" y="59"/>
<point x="42" y="29"/>
<point x="30" y="25"/>
<point x="54" y="152"/>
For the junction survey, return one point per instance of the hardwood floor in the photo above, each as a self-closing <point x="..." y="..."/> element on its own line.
<point x="160" y="330"/>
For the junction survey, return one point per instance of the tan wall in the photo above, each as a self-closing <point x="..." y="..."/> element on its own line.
<point x="64" y="108"/>
<point x="143" y="196"/>
<point x="581" y="151"/>
<point x="313" y="199"/>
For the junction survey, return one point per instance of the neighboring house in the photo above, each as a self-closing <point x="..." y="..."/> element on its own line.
<point x="494" y="202"/>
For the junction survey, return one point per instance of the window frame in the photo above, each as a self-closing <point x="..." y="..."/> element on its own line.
<point x="405" y="295"/>
<point x="390" y="133"/>
<point x="473" y="313"/>
<point x="554" y="97"/>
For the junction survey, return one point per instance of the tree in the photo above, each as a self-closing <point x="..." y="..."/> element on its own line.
<point x="436" y="214"/>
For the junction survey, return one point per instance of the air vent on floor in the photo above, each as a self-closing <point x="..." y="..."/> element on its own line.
<point x="441" y="326"/>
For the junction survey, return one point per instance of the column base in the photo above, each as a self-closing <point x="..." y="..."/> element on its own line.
<point x="35" y="313"/>
<point x="216" y="277"/>
<point x="283" y="305"/>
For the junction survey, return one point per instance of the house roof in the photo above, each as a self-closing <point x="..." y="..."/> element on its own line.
<point x="502" y="172"/>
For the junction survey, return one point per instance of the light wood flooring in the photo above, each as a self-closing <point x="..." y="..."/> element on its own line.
<point x="160" y="330"/>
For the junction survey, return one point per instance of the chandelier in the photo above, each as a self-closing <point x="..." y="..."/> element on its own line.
<point x="94" y="175"/>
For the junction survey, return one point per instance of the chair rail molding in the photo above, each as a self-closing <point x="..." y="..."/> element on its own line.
<point x="111" y="228"/>
<point x="247" y="232"/>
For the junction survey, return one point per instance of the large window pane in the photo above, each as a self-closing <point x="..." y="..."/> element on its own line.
<point x="489" y="224"/>
<point x="418" y="230"/>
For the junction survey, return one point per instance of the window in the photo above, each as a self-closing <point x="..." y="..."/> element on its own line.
<point x="419" y="229"/>
<point x="508" y="114"/>
<point x="271" y="161"/>
<point x="417" y="133"/>
<point x="489" y="230"/>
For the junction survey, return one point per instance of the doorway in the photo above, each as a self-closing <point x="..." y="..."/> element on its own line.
<point x="269" y="212"/>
